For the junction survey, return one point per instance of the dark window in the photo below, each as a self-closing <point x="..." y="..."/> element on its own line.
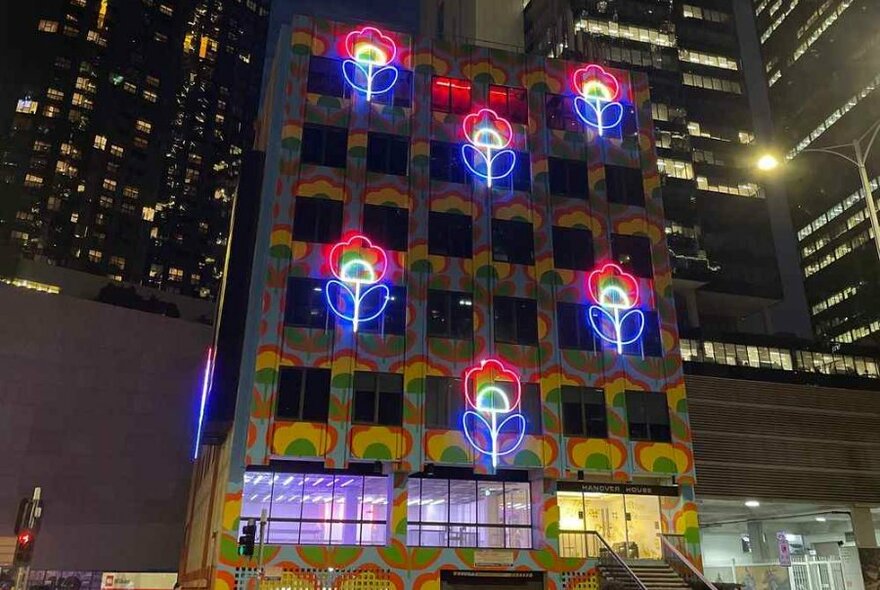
<point x="650" y="343"/>
<point x="324" y="146"/>
<point x="446" y="162"/>
<point x="633" y="254"/>
<point x="560" y="113"/>
<point x="388" y="154"/>
<point x="450" y="314"/>
<point x="451" y="95"/>
<point x="401" y="94"/>
<point x="378" y="398"/>
<point x="306" y="305"/>
<point x="568" y="177"/>
<point x="387" y="226"/>
<point x="325" y="76"/>
<point x="531" y="408"/>
<point x="520" y="179"/>
<point x="303" y="394"/>
<point x="575" y="331"/>
<point x="317" y="220"/>
<point x="513" y="242"/>
<point x="572" y="248"/>
<point x="450" y="234"/>
<point x="510" y="103"/>
<point x="393" y="319"/>
<point x="444" y="402"/>
<point x="629" y="125"/>
<point x="624" y="185"/>
<point x="647" y="413"/>
<point x="516" y="320"/>
<point x="583" y="412"/>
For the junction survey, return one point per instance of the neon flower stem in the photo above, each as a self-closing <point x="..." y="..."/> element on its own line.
<point x="489" y="184"/>
<point x="598" y="110"/>
<point x="494" y="440"/>
<point x="617" y="327"/>
<point x="369" y="93"/>
<point x="357" y="302"/>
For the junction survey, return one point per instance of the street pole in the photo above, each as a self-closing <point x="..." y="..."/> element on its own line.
<point x="264" y="517"/>
<point x="866" y="186"/>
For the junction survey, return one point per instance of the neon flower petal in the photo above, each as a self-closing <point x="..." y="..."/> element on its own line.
<point x="357" y="260"/>
<point x="370" y="46"/>
<point x="479" y="382"/>
<point x="594" y="82"/>
<point x="610" y="286"/>
<point x="486" y="129"/>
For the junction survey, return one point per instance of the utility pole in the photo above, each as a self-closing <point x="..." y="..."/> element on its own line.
<point x="264" y="517"/>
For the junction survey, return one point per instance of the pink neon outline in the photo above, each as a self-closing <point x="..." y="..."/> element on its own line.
<point x="593" y="288"/>
<point x="600" y="78"/>
<point x="492" y="115"/>
<point x="349" y="45"/>
<point x="503" y="370"/>
<point x="334" y="262"/>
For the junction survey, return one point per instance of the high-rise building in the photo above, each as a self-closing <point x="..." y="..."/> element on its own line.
<point x="713" y="197"/>
<point x="460" y="351"/>
<point x="122" y="138"/>
<point x="823" y="70"/>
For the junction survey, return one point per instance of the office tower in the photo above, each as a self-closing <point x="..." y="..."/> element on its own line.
<point x="823" y="71"/>
<point x="122" y="139"/>
<point x="460" y="327"/>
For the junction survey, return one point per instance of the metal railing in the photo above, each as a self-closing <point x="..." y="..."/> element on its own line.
<point x="590" y="544"/>
<point x="674" y="553"/>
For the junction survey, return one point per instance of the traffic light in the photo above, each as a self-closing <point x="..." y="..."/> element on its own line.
<point x="24" y="547"/>
<point x="248" y="538"/>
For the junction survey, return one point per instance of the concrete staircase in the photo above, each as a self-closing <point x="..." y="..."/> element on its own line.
<point x="655" y="575"/>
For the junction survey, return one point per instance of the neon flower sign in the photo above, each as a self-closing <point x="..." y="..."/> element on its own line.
<point x="596" y="104"/>
<point x="369" y="70"/>
<point x="356" y="295"/>
<point x="485" y="154"/>
<point x="614" y="317"/>
<point x="492" y="422"/>
<point x="203" y="401"/>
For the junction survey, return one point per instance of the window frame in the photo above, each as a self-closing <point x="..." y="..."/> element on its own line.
<point x="628" y="242"/>
<point x="326" y="132"/>
<point x="452" y="168"/>
<point x="304" y="392"/>
<point x="564" y="259"/>
<point x="503" y="107"/>
<point x="583" y="402"/>
<point x="385" y="231"/>
<point x="444" y="395"/>
<point x="504" y="241"/>
<point x="388" y="158"/>
<point x="655" y="431"/>
<point x="517" y="302"/>
<point x="447" y="527"/>
<point x="570" y="170"/>
<point x="321" y="216"/>
<point x="618" y="179"/>
<point x="449" y="308"/>
<point x="316" y="290"/>
<point x="392" y="320"/>
<point x="377" y="392"/>
<point x="586" y="339"/>
<point x="449" y="231"/>
<point x="450" y="105"/>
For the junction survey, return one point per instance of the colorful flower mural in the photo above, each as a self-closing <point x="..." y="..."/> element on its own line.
<point x="485" y="155"/>
<point x="615" y="318"/>
<point x="356" y="294"/>
<point x="369" y="70"/>
<point x="596" y="103"/>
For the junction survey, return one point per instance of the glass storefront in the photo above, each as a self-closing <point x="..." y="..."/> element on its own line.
<point x="629" y="523"/>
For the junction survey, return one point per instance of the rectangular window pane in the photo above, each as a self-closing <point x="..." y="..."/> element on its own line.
<point x="450" y="234"/>
<point x="435" y="500"/>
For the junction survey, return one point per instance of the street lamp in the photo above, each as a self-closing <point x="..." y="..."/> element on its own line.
<point x="856" y="155"/>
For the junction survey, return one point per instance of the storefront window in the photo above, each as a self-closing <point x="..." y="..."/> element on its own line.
<point x="318" y="509"/>
<point x="629" y="523"/>
<point x="468" y="513"/>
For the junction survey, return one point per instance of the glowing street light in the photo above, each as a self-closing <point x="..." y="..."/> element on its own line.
<point x="768" y="162"/>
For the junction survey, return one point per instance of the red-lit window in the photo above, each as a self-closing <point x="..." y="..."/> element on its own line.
<point x="510" y="103"/>
<point x="451" y="95"/>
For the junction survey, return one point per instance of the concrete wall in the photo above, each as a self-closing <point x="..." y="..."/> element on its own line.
<point x="98" y="407"/>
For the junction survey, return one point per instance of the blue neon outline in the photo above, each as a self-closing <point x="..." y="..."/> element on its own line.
<point x="617" y="325"/>
<point x="488" y="176"/>
<point x="351" y="318"/>
<point x="598" y="107"/>
<point x="493" y="435"/>
<point x="370" y="75"/>
<point x="206" y="387"/>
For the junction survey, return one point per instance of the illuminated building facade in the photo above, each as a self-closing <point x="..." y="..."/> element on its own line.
<point x="705" y="136"/>
<point x="460" y="346"/>
<point x="121" y="142"/>
<point x="837" y="39"/>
